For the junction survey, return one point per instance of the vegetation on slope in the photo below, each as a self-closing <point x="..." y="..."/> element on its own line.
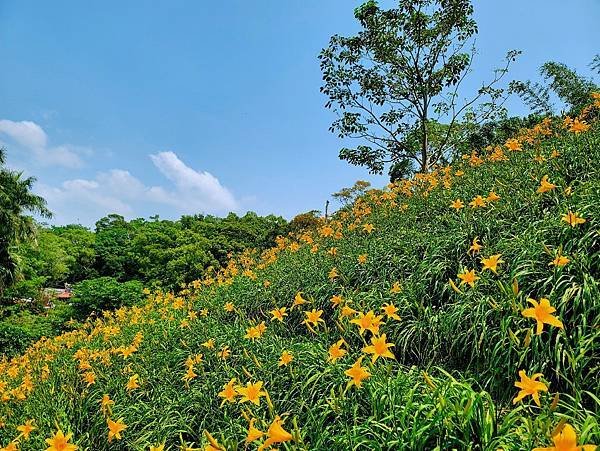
<point x="401" y="323"/>
<point x="107" y="265"/>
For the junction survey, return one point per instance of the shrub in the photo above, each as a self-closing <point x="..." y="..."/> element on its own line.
<point x="13" y="339"/>
<point x="105" y="293"/>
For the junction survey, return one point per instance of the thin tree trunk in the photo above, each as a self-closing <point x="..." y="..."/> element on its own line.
<point x="424" y="146"/>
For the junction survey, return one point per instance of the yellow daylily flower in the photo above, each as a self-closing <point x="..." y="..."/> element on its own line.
<point x="468" y="277"/>
<point x="529" y="386"/>
<point x="379" y="348"/>
<point x="115" y="428"/>
<point x="542" y="313"/>
<point x="276" y="434"/>
<point x="357" y="373"/>
<point x="60" y="442"/>
<point x="492" y="263"/>
<point x="26" y="429"/>
<point x="565" y="439"/>
<point x="545" y="185"/>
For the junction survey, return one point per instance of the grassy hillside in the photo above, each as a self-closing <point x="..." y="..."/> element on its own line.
<point x="176" y="370"/>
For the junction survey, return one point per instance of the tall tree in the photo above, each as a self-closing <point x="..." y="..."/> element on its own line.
<point x="400" y="76"/>
<point x="571" y="88"/>
<point x="16" y="226"/>
<point x="347" y="196"/>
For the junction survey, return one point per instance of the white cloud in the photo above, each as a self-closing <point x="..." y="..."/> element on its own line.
<point x="81" y="201"/>
<point x="118" y="191"/>
<point x="33" y="139"/>
<point x="27" y="133"/>
<point x="197" y="190"/>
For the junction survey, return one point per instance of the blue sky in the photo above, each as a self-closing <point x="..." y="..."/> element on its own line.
<point x="177" y="107"/>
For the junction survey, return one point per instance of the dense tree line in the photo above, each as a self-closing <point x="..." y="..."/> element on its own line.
<point x="155" y="252"/>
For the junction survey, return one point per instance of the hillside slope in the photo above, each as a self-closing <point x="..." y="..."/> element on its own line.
<point x="377" y="274"/>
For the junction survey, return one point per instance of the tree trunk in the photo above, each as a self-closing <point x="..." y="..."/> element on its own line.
<point x="424" y="146"/>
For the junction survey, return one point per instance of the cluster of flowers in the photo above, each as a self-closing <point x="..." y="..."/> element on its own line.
<point x="564" y="436"/>
<point x="21" y="375"/>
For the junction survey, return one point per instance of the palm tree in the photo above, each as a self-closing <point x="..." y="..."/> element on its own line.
<point x="16" y="226"/>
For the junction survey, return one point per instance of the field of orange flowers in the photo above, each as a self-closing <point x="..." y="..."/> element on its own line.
<point x="456" y="310"/>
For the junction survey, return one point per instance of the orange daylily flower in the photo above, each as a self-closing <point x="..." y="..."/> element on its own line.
<point x="357" y="373"/>
<point x="132" y="383"/>
<point x="209" y="344"/>
<point x="457" y="204"/>
<point x="368" y="228"/>
<point x="368" y="321"/>
<point x="333" y="274"/>
<point x="573" y="219"/>
<point x="12" y="446"/>
<point x="278" y="314"/>
<point x="224" y="353"/>
<point x="565" y="439"/>
<point x="477" y="202"/>
<point x="336" y="300"/>
<point x="336" y="352"/>
<point x="106" y="403"/>
<point x="559" y="261"/>
<point x="492" y="197"/>
<point x="468" y="277"/>
<point x="390" y="311"/>
<point x="492" y="263"/>
<point x="253" y="433"/>
<point x="26" y="429"/>
<point x="276" y="434"/>
<point x="396" y="288"/>
<point x="542" y="313"/>
<point x="545" y="185"/>
<point x="60" y="442"/>
<point x="347" y="311"/>
<point x="513" y="144"/>
<point x="285" y="359"/>
<point x="228" y="393"/>
<point x="578" y="126"/>
<point x="475" y="246"/>
<point x="379" y="348"/>
<point x="299" y="300"/>
<point x="115" y="428"/>
<point x="252" y="392"/>
<point x="313" y="317"/>
<point x="530" y="386"/>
